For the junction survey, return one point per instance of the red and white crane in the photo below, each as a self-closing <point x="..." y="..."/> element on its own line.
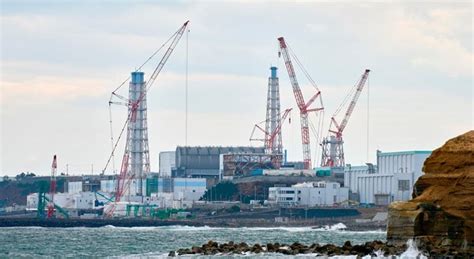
<point x="333" y="151"/>
<point x="303" y="106"/>
<point x="125" y="177"/>
<point x="52" y="188"/>
<point x="269" y="137"/>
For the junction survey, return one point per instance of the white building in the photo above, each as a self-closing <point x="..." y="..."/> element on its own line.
<point x="167" y="161"/>
<point x="285" y="196"/>
<point x="110" y="186"/>
<point x="189" y="189"/>
<point x="393" y="179"/>
<point x="309" y="194"/>
<point x="74" y="187"/>
<point x="82" y="200"/>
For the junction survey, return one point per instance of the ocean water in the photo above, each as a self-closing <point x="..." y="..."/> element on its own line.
<point x="156" y="242"/>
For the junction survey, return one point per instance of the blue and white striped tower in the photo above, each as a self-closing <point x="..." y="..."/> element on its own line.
<point x="138" y="131"/>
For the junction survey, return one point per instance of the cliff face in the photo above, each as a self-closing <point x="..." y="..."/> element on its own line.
<point x="441" y="213"/>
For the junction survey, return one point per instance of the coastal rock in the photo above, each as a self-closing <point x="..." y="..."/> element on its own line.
<point x="372" y="248"/>
<point x="440" y="217"/>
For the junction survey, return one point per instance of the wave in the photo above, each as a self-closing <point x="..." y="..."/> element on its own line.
<point x="335" y="227"/>
<point x="339" y="227"/>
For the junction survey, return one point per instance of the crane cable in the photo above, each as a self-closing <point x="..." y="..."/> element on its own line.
<point x="317" y="133"/>
<point x="114" y="146"/>
<point x="346" y="99"/>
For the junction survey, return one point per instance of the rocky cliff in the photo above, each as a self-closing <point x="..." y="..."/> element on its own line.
<point x="440" y="216"/>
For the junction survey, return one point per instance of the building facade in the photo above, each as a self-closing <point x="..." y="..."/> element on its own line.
<point x="203" y="162"/>
<point x="309" y="194"/>
<point x="391" y="180"/>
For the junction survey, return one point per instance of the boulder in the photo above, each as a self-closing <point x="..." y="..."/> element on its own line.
<point x="441" y="214"/>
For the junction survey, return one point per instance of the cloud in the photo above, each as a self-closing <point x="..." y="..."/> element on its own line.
<point x="429" y="39"/>
<point x="66" y="58"/>
<point x="41" y="90"/>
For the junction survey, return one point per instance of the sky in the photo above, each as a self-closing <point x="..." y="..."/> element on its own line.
<point x="60" y="60"/>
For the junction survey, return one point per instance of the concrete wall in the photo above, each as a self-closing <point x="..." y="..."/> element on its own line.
<point x="351" y="173"/>
<point x="368" y="185"/>
<point x="189" y="189"/>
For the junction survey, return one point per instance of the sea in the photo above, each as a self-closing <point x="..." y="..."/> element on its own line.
<point x="157" y="242"/>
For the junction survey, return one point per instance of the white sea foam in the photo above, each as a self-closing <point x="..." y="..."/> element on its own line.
<point x="109" y="226"/>
<point x="412" y="251"/>
<point x="335" y="227"/>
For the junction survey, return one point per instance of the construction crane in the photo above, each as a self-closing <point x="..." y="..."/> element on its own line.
<point x="125" y="177"/>
<point x="269" y="137"/>
<point x="52" y="188"/>
<point x="303" y="106"/>
<point x="333" y="151"/>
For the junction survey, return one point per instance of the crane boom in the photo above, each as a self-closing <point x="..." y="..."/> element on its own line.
<point x="272" y="135"/>
<point x="124" y="178"/>
<point x="352" y="104"/>
<point x="303" y="107"/>
<point x="269" y="138"/>
<point x="291" y="73"/>
<point x="167" y="54"/>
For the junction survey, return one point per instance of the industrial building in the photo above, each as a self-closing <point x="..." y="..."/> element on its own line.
<point x="71" y="201"/>
<point x="187" y="189"/>
<point x="391" y="180"/>
<point x="175" y="193"/>
<point x="309" y="194"/>
<point x="203" y="162"/>
<point x="167" y="163"/>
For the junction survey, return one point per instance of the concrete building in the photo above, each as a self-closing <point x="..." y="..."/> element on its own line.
<point x="110" y="186"/>
<point x="284" y="196"/>
<point x="309" y="194"/>
<point x="174" y="192"/>
<point x="189" y="189"/>
<point x="75" y="201"/>
<point x="391" y="180"/>
<point x="74" y="187"/>
<point x="167" y="163"/>
<point x="203" y="162"/>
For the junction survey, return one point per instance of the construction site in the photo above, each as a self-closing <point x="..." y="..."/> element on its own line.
<point x="233" y="184"/>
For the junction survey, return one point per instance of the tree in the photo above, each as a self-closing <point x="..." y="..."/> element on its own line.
<point x="223" y="191"/>
<point x="20" y="176"/>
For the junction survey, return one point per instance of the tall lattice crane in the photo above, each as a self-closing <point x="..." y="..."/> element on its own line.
<point x="303" y="106"/>
<point x="52" y="188"/>
<point x="333" y="151"/>
<point x="125" y="177"/>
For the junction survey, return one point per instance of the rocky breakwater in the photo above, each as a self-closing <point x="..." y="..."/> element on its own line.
<point x="374" y="248"/>
<point x="440" y="217"/>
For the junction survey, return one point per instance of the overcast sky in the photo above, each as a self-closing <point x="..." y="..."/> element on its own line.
<point x="61" y="59"/>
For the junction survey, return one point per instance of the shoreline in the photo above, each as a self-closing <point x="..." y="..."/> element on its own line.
<point x="96" y="223"/>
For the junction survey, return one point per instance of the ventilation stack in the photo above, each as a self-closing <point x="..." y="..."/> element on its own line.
<point x="138" y="144"/>
<point x="273" y="119"/>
